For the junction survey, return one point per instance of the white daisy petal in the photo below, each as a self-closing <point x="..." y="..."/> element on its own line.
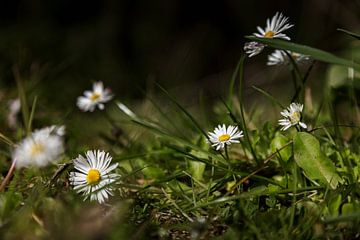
<point x="93" y="177"/>
<point x="274" y="29"/>
<point x="292" y="117"/>
<point x="42" y="147"/>
<point x="223" y="135"/>
<point x="95" y="98"/>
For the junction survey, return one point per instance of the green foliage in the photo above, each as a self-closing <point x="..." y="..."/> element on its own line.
<point x="174" y="184"/>
<point x="309" y="156"/>
<point x="306" y="50"/>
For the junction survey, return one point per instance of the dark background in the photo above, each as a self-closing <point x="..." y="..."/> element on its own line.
<point x="61" y="46"/>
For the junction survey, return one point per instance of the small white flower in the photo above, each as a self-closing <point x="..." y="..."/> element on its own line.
<point x="279" y="57"/>
<point x="224" y="136"/>
<point x="39" y="149"/>
<point x="14" y="107"/>
<point x="253" y="48"/>
<point x="292" y="117"/>
<point x="274" y="27"/>
<point x="97" y="97"/>
<point x="93" y="177"/>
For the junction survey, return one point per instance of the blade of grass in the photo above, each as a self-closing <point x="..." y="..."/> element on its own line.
<point x="355" y="35"/>
<point x="176" y="139"/>
<point x="192" y="119"/>
<point x="29" y="125"/>
<point x="192" y="157"/>
<point x="306" y="50"/>
<point x="233" y="79"/>
<point x="176" y="206"/>
<point x="242" y="114"/>
<point x="343" y="218"/>
<point x="246" y="195"/>
<point x="22" y="96"/>
<point x="269" y="96"/>
<point x="6" y="140"/>
<point x="303" y="81"/>
<point x="165" y="116"/>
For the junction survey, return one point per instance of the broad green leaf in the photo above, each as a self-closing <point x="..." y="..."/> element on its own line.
<point x="348" y="208"/>
<point x="277" y="143"/>
<point x="334" y="205"/>
<point x="196" y="169"/>
<point x="306" y="50"/>
<point x="313" y="161"/>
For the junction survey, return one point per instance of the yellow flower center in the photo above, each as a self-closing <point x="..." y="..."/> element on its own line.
<point x="269" y="34"/>
<point x="36" y="149"/>
<point x="295" y="117"/>
<point x="93" y="176"/>
<point x="94" y="97"/>
<point x="224" y="137"/>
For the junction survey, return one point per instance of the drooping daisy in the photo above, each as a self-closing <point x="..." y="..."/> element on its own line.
<point x="279" y="57"/>
<point x="223" y="135"/>
<point x="97" y="97"/>
<point x="40" y="148"/>
<point x="253" y="48"/>
<point x="292" y="117"/>
<point x="92" y="177"/>
<point x="274" y="29"/>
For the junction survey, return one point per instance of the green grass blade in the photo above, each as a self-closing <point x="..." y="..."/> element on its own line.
<point x="6" y="140"/>
<point x="233" y="79"/>
<point x="176" y="139"/>
<point x="306" y="50"/>
<point x="355" y="35"/>
<point x="269" y="96"/>
<point x="22" y="96"/>
<point x="192" y="119"/>
<point x="344" y="218"/>
<point x="242" y="112"/>
<point x="31" y="117"/>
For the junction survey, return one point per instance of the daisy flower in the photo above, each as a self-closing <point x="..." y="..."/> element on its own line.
<point x="223" y="135"/>
<point x="92" y="177"/>
<point x="292" y="117"/>
<point x="14" y="109"/>
<point x="97" y="97"/>
<point x="253" y="48"/>
<point x="274" y="29"/>
<point x="40" y="148"/>
<point x="279" y="57"/>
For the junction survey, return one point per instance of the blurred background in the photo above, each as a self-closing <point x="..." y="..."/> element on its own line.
<point x="60" y="47"/>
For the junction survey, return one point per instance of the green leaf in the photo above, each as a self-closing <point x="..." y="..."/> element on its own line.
<point x="334" y="205"/>
<point x="279" y="142"/>
<point x="313" y="161"/>
<point x="197" y="168"/>
<point x="306" y="50"/>
<point x="357" y="36"/>
<point x="348" y="208"/>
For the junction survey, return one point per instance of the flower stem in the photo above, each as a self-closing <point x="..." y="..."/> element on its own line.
<point x="8" y="176"/>
<point x="226" y="152"/>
